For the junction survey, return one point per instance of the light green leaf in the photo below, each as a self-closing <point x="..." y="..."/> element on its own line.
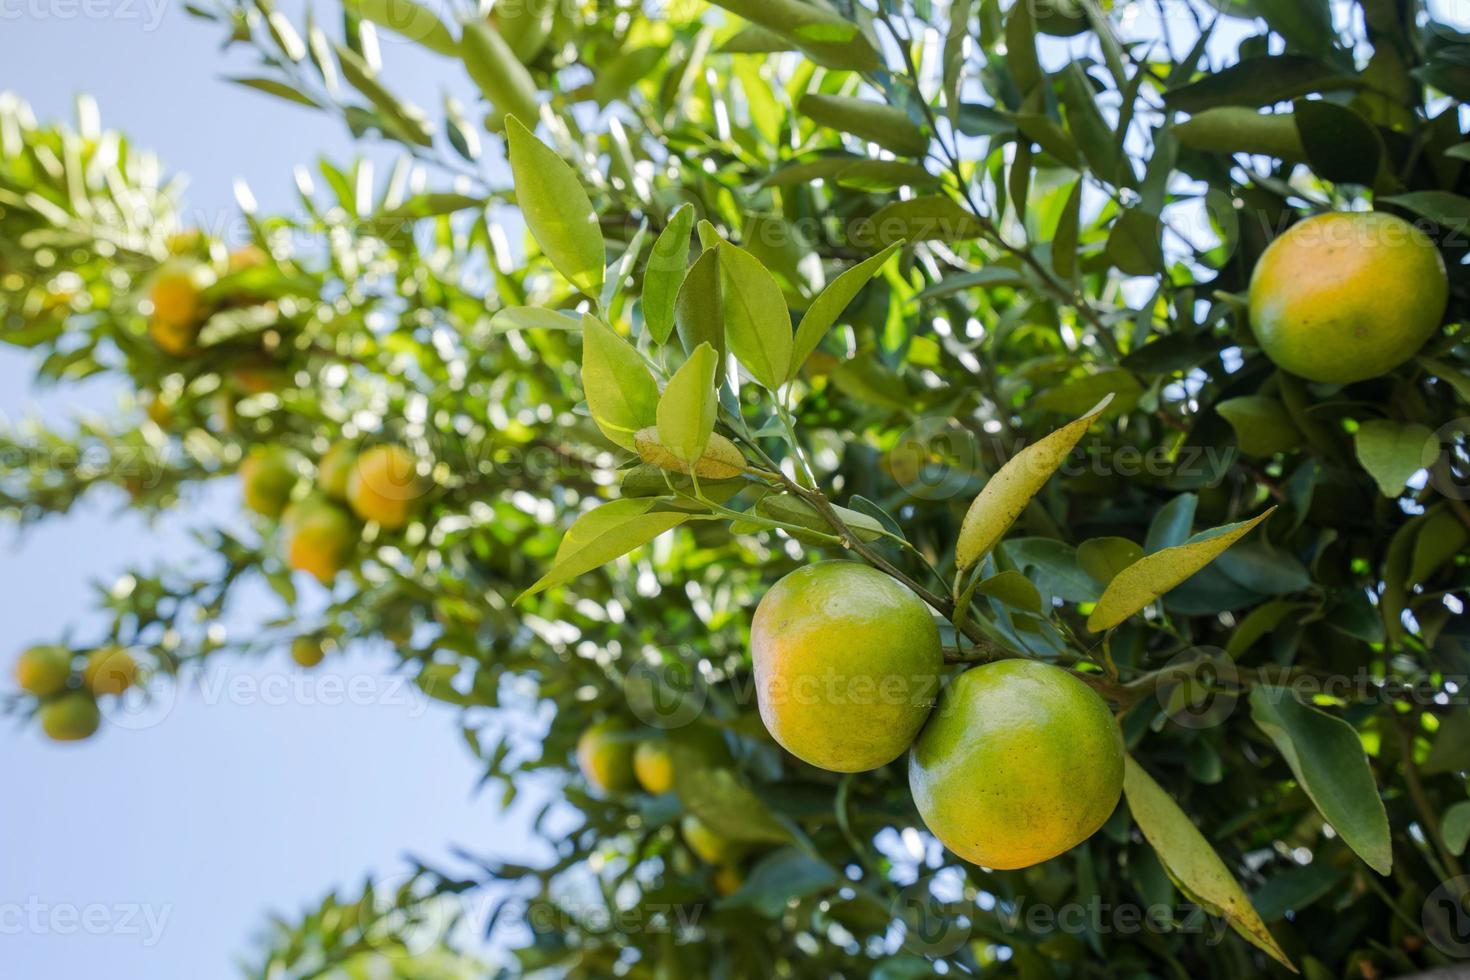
<point x="757" y="320"/>
<point x="410" y="20"/>
<point x="1007" y="493"/>
<point x="1013" y="589"/>
<point x="824" y="311"/>
<point x="277" y="88"/>
<point x="667" y="267"/>
<point x="875" y="122"/>
<point x="1449" y="373"/>
<point x="931" y="218"/>
<point x="778" y="878"/>
<point x="1151" y="576"/>
<point x="533" y="318"/>
<point x="1263" y="426"/>
<point x="557" y="209"/>
<point x="621" y="391"/>
<point x="686" y="412"/>
<point x="1326" y="756"/>
<point x="602" y="535"/>
<point x="503" y="80"/>
<point x="825" y="37"/>
<point x="1190" y="860"/>
<point x="1104" y="558"/>
<point x="1237" y="129"/>
<point x="405" y="121"/>
<point x="1392" y="452"/>
<point x="1455" y="827"/>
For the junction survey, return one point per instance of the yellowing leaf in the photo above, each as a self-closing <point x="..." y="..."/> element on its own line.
<point x="1152" y="575"/>
<point x="557" y="209"/>
<point x="1006" y="494"/>
<point x="686" y="412"/>
<point x="824" y="311"/>
<point x="757" y="320"/>
<point x="621" y="392"/>
<point x="1191" y="861"/>
<point x="599" y="536"/>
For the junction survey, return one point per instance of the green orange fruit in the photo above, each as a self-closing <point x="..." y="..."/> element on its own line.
<point x="319" y="538"/>
<point x="1344" y="297"/>
<point x="1020" y="762"/>
<point x="70" y="717"/>
<point x="44" y="670"/>
<point x="267" y="477"/>
<point x="334" y="471"/>
<point x="111" y="670"/>
<point x="727" y="880"/>
<point x="654" y="767"/>
<point x="384" y="486"/>
<point x="307" y="651"/>
<point x="708" y="844"/>
<point x="847" y="664"/>
<point x="605" y="756"/>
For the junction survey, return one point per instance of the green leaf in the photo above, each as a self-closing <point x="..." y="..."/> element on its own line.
<point x="405" y="121"/>
<point x="825" y="37"/>
<point x="1306" y="24"/>
<point x="1235" y="129"/>
<point x="1151" y="576"/>
<point x="1455" y="827"/>
<point x="557" y="209"/>
<point x="602" y="535"/>
<point x="824" y="311"/>
<point x="502" y="79"/>
<point x="1104" y="558"/>
<point x="1326" y="756"/>
<point x="1443" y="208"/>
<point x="699" y="309"/>
<point x="686" y="412"/>
<point x="1006" y="494"/>
<point x="1066" y="241"/>
<point x="1172" y="524"/>
<point x="1020" y="30"/>
<point x="410" y="20"/>
<point x="667" y="267"/>
<point x="1135" y="245"/>
<point x="931" y="218"/>
<point x="1257" y="565"/>
<point x="273" y="87"/>
<point x="1055" y="561"/>
<point x="875" y="122"/>
<point x="1449" y="374"/>
<point x="1341" y="145"/>
<point x="533" y="318"/>
<point x="990" y="276"/>
<point x="882" y="176"/>
<point x="1191" y="861"/>
<point x="1263" y="426"/>
<point x="1077" y="394"/>
<point x="1013" y="589"/>
<point x="621" y="392"/>
<point x="757" y="320"/>
<point x="1392" y="452"/>
<point x="1259" y="81"/>
<point x="1094" y="135"/>
<point x="778" y="878"/>
<point x="1451" y="749"/>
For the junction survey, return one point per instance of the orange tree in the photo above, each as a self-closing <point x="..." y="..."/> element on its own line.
<point x="976" y="296"/>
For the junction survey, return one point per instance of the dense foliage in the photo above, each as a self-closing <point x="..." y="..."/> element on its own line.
<point x="865" y="255"/>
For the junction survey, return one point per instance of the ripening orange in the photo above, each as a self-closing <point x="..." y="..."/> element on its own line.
<point x="385" y="486"/>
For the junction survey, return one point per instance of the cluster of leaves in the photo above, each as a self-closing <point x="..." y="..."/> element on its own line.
<point x="986" y="218"/>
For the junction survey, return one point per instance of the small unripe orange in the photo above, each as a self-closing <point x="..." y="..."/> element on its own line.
<point x="385" y="486"/>
<point x="43" y="671"/>
<point x="109" y="671"/>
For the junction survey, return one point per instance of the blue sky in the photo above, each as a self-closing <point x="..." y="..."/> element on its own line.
<point x="156" y="852"/>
